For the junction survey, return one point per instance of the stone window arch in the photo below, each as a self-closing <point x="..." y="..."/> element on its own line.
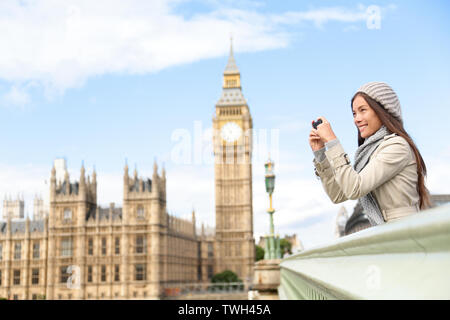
<point x="140" y="212"/>
<point x="67" y="214"/>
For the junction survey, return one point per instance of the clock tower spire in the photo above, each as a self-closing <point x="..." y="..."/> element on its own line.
<point x="232" y="140"/>
<point x="231" y="75"/>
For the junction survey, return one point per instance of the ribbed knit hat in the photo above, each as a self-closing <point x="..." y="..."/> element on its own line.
<point x="383" y="93"/>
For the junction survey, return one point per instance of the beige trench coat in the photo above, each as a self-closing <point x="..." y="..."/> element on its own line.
<point x="390" y="174"/>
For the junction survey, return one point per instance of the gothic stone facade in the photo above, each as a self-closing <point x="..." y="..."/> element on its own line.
<point x="82" y="251"/>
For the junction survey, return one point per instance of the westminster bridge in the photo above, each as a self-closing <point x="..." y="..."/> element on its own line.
<point x="404" y="259"/>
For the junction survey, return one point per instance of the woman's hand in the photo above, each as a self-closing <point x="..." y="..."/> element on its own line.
<point x="324" y="131"/>
<point x="314" y="140"/>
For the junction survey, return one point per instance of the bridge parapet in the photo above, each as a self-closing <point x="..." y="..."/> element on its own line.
<point x="210" y="290"/>
<point x="404" y="259"/>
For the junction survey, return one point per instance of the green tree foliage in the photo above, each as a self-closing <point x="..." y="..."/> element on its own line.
<point x="285" y="246"/>
<point x="227" y="276"/>
<point x="259" y="253"/>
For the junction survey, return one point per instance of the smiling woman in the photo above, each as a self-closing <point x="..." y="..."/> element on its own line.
<point x="365" y="117"/>
<point x="388" y="174"/>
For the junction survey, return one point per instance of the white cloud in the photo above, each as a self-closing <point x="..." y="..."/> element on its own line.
<point x="321" y="16"/>
<point x="109" y="188"/>
<point x="16" y="96"/>
<point x="25" y="182"/>
<point x="191" y="187"/>
<point x="319" y="233"/>
<point x="338" y="14"/>
<point x="438" y="174"/>
<point x="60" y="44"/>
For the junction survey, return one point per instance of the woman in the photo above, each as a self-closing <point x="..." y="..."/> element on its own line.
<point x="388" y="173"/>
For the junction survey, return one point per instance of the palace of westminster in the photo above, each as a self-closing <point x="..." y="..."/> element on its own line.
<point x="79" y="250"/>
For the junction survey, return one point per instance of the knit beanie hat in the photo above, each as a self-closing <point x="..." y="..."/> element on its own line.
<point x="383" y="94"/>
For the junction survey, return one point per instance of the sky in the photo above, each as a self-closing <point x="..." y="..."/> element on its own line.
<point x="106" y="83"/>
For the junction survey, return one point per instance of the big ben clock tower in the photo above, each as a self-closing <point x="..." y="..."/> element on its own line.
<point x="232" y="140"/>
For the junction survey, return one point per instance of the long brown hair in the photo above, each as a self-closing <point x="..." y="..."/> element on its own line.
<point x="395" y="125"/>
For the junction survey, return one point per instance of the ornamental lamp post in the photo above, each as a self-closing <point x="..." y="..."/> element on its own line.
<point x="272" y="243"/>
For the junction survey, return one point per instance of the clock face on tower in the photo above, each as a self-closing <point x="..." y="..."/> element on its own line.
<point x="230" y="131"/>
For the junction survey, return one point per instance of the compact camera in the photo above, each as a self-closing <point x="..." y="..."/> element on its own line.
<point x="316" y="123"/>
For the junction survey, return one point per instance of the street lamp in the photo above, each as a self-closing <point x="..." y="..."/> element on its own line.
<point x="272" y="243"/>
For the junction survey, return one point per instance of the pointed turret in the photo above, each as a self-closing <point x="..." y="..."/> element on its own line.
<point x="125" y="170"/>
<point x="94" y="177"/>
<point x="231" y="94"/>
<point x="155" y="168"/>
<point x="193" y="221"/>
<point x="67" y="181"/>
<point x="125" y="180"/>
<point x="163" y="173"/>
<point x="82" y="186"/>
<point x="82" y="176"/>
<point x="155" y="172"/>
<point x="156" y="187"/>
<point x="53" y="182"/>
<point x="231" y="67"/>
<point x="27" y="224"/>
<point x="94" y="184"/>
<point x="8" y="226"/>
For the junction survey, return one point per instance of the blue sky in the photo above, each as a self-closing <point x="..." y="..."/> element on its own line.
<point x="102" y="83"/>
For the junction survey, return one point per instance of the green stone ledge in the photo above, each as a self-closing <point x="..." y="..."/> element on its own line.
<point x="404" y="259"/>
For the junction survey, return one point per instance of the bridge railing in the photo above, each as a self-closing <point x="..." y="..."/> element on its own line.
<point x="404" y="259"/>
<point x="210" y="288"/>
